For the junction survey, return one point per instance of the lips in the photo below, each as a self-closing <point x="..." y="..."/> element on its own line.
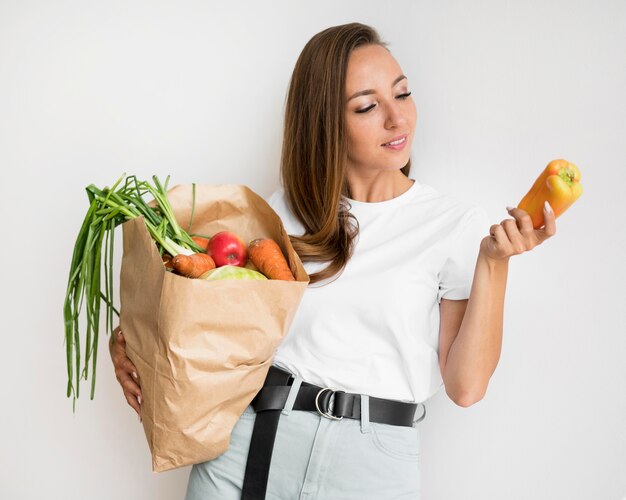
<point x="397" y="142"/>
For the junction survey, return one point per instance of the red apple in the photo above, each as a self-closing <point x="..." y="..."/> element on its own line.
<point x="227" y="248"/>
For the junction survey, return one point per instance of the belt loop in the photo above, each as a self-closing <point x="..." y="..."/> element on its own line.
<point x="365" y="413"/>
<point x="422" y="416"/>
<point x="291" y="398"/>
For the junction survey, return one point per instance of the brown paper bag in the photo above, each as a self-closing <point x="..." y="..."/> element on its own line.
<point x="202" y="348"/>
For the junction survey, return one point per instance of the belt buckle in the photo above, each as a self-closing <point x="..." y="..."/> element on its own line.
<point x="317" y="404"/>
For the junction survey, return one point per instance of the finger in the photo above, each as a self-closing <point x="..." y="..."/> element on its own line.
<point x="132" y="392"/>
<point x="132" y="401"/>
<point x="129" y="367"/>
<point x="119" y="338"/>
<point x="130" y="387"/>
<point x="119" y="347"/>
<point x="114" y="342"/>
<point x="525" y="223"/>
<point x="124" y="365"/>
<point x="133" y="396"/>
<point x="502" y="242"/>
<point x="517" y="240"/>
<point x="549" y="227"/>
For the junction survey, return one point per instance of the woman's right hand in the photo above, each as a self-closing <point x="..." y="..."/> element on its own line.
<point x="125" y="371"/>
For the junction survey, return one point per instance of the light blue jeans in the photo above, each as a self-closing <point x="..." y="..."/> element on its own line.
<point x="318" y="458"/>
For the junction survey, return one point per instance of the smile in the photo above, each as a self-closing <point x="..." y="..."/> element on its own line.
<point x="393" y="143"/>
<point x="396" y="143"/>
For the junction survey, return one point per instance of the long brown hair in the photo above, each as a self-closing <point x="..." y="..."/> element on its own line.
<point x="314" y="152"/>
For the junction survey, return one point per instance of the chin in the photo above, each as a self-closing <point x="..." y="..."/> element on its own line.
<point x="399" y="164"/>
<point x="393" y="167"/>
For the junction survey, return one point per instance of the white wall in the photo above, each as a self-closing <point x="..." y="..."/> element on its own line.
<point x="89" y="90"/>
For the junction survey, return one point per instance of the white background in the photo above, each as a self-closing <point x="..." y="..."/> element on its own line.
<point x="89" y="90"/>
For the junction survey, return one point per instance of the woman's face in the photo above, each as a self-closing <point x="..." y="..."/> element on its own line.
<point x="378" y="111"/>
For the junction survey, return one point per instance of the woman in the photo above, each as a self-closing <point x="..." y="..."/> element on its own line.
<point x="406" y="293"/>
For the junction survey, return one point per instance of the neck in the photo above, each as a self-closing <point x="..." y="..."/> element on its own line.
<point x="381" y="186"/>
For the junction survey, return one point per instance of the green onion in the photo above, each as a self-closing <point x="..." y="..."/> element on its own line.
<point x="108" y="208"/>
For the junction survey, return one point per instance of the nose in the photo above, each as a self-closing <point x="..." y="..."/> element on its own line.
<point x="396" y="116"/>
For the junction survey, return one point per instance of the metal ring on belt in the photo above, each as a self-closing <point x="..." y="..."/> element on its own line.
<point x="317" y="406"/>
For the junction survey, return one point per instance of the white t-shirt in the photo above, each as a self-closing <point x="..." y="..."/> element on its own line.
<point x="375" y="329"/>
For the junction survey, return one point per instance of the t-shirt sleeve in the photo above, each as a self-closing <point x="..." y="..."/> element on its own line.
<point x="277" y="200"/>
<point x="457" y="273"/>
<point x="274" y="199"/>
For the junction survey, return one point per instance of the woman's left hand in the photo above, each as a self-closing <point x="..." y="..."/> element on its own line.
<point x="515" y="236"/>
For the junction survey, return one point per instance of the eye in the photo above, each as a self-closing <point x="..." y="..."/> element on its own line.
<point x="401" y="96"/>
<point x="365" y="110"/>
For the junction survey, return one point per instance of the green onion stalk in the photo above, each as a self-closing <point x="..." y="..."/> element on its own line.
<point x="93" y="253"/>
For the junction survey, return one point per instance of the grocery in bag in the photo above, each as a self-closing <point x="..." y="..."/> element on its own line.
<point x="202" y="347"/>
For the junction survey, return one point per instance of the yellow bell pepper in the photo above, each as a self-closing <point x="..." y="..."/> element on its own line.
<point x="559" y="185"/>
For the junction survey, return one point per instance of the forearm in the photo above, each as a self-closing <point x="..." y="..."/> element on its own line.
<point x="475" y="352"/>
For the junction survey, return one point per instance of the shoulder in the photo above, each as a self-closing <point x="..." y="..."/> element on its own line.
<point x="275" y="197"/>
<point x="451" y="210"/>
<point x="279" y="203"/>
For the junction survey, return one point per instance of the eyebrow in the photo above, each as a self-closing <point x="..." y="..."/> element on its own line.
<point x="372" y="91"/>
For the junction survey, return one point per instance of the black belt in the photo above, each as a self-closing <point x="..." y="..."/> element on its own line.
<point x="271" y="399"/>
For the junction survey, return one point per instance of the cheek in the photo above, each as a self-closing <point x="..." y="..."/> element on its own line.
<point x="413" y="114"/>
<point x="353" y="140"/>
<point x="360" y="137"/>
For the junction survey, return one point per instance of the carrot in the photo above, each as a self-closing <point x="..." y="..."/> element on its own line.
<point x="167" y="261"/>
<point x="266" y="255"/>
<point x="193" y="266"/>
<point x="201" y="241"/>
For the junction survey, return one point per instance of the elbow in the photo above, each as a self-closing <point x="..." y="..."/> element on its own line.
<point x="465" y="397"/>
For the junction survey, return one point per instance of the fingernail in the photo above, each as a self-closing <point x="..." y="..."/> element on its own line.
<point x="547" y="207"/>
<point x="508" y="209"/>
<point x="119" y="333"/>
<point x="139" y="398"/>
<point x="135" y="374"/>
